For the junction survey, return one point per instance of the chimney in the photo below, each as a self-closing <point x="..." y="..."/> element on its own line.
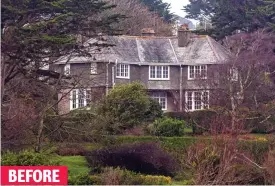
<point x="147" y="32"/>
<point x="184" y="35"/>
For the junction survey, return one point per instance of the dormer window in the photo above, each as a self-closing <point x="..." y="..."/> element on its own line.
<point x="67" y="69"/>
<point x="197" y="72"/>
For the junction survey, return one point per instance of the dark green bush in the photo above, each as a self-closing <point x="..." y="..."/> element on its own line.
<point x="28" y="158"/>
<point x="127" y="106"/>
<point x="201" y="121"/>
<point x="168" y="127"/>
<point x="147" y="158"/>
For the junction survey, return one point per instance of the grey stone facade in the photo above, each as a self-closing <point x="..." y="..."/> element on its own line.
<point x="140" y="53"/>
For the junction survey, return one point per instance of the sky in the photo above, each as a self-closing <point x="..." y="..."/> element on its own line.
<point x="177" y="5"/>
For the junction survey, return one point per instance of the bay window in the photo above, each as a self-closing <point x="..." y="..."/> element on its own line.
<point x="197" y="100"/>
<point x="80" y="98"/>
<point x="161" y="98"/>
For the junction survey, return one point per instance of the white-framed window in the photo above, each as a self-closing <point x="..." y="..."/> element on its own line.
<point x="159" y="72"/>
<point x="161" y="98"/>
<point x="234" y="74"/>
<point x="123" y="71"/>
<point x="67" y="69"/>
<point x="197" y="100"/>
<point x="197" y="72"/>
<point x="93" y="68"/>
<point x="80" y="98"/>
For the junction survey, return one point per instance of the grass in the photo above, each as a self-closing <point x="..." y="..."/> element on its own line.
<point x="75" y="164"/>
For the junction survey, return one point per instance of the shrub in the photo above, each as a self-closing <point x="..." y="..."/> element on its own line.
<point x="201" y="121"/>
<point x="28" y="158"/>
<point x="169" y="127"/>
<point x="83" y="179"/>
<point x="70" y="150"/>
<point x="147" y="158"/>
<point x="127" y="106"/>
<point x="117" y="176"/>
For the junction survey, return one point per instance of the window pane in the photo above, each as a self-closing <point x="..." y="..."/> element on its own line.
<point x="189" y="101"/>
<point x="205" y="100"/>
<point x="126" y="70"/>
<point x="74" y="98"/>
<point x="191" y="72"/>
<point x="159" y="72"/>
<point x="118" y="70"/>
<point x="81" y="97"/>
<point x="93" y="68"/>
<point x="165" y="72"/>
<point x="203" y="72"/>
<point x="197" y="71"/>
<point x="152" y="72"/>
<point x="197" y="98"/>
<point x="88" y="97"/>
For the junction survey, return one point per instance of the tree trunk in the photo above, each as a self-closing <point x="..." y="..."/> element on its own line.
<point x="39" y="135"/>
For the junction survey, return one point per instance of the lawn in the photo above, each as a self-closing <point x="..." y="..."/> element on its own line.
<point x="76" y="164"/>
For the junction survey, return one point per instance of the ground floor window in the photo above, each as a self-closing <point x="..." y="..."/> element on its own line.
<point x="197" y="100"/>
<point x="161" y="98"/>
<point x="80" y="98"/>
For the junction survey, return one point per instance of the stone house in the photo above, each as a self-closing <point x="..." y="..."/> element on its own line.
<point x="169" y="67"/>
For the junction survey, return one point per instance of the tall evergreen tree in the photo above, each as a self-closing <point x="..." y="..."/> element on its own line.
<point x="36" y="31"/>
<point x="161" y="8"/>
<point x="229" y="16"/>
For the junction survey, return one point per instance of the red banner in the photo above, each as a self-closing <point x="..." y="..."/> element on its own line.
<point x="34" y="175"/>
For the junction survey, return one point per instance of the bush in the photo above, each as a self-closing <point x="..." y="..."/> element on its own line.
<point x="168" y="127"/>
<point x="147" y="158"/>
<point x="70" y="150"/>
<point x="27" y="158"/>
<point x="201" y="121"/>
<point x="117" y="176"/>
<point x="127" y="106"/>
<point x="84" y="179"/>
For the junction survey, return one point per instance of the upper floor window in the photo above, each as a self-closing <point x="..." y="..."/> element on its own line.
<point x="161" y="98"/>
<point x="93" y="68"/>
<point x="197" y="100"/>
<point x="67" y="69"/>
<point x="123" y="71"/>
<point x="197" y="72"/>
<point x="80" y="98"/>
<point x="159" y="72"/>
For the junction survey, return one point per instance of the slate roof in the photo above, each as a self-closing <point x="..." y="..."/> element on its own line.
<point x="144" y="50"/>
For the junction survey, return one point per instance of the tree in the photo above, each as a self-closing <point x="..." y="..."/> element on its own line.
<point x="138" y="17"/>
<point x="35" y="34"/>
<point x="161" y="8"/>
<point x="243" y="84"/>
<point x="228" y="17"/>
<point x="127" y="106"/>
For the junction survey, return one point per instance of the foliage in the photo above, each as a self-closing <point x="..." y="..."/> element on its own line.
<point x="70" y="150"/>
<point x="83" y="179"/>
<point x="162" y="8"/>
<point x="125" y="106"/>
<point x="168" y="127"/>
<point x="229" y="16"/>
<point x="27" y="158"/>
<point x="147" y="158"/>
<point x="77" y="126"/>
